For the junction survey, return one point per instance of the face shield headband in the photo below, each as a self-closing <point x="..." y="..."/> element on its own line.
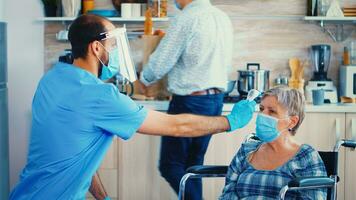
<point x="126" y="66"/>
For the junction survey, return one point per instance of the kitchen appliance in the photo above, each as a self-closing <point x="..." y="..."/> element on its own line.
<point x="4" y="129"/>
<point x="352" y="52"/>
<point x="252" y="78"/>
<point x="66" y="57"/>
<point x="281" y="80"/>
<point x="347" y="81"/>
<point x="124" y="86"/>
<point x="230" y="87"/>
<point x="320" y="55"/>
<point x="231" y="96"/>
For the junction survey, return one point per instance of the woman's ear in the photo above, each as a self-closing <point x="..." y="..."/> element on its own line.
<point x="293" y="121"/>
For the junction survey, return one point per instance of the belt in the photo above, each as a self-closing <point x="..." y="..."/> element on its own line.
<point x="206" y="92"/>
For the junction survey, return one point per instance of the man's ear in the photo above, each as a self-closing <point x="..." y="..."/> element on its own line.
<point x="94" y="48"/>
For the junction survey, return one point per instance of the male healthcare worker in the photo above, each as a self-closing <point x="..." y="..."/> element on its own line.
<point x="75" y="116"/>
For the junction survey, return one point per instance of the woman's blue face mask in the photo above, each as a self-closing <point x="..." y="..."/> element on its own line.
<point x="267" y="127"/>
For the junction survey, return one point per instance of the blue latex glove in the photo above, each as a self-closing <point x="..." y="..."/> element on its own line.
<point x="241" y="114"/>
<point x="107" y="198"/>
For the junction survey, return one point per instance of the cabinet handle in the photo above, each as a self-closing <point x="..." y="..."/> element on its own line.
<point x="337" y="129"/>
<point x="353" y="129"/>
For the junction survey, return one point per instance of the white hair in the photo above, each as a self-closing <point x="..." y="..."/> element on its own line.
<point x="292" y="100"/>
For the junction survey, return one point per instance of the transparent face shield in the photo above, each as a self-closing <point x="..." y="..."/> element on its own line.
<point x="126" y="67"/>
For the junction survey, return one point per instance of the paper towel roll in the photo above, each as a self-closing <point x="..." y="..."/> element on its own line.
<point x="136" y="10"/>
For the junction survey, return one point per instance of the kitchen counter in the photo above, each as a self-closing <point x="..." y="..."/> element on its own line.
<point x="327" y="108"/>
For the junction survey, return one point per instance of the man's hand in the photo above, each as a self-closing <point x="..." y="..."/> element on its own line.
<point x="142" y="87"/>
<point x="97" y="189"/>
<point x="241" y="114"/>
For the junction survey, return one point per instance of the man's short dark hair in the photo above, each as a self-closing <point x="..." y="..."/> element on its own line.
<point x="84" y="30"/>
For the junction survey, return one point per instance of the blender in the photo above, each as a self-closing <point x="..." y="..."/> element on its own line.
<point x="320" y="60"/>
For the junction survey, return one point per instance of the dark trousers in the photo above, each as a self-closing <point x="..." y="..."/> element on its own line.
<point x="177" y="154"/>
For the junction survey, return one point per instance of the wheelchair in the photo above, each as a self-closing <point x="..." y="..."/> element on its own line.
<point x="330" y="159"/>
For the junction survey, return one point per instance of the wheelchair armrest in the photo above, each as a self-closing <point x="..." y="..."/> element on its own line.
<point x="349" y="143"/>
<point x="311" y="181"/>
<point x="208" y="169"/>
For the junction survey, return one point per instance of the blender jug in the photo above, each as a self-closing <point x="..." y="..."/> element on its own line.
<point x="321" y="59"/>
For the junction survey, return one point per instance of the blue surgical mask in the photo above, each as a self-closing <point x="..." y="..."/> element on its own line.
<point x="266" y="128"/>
<point x="178" y="5"/>
<point x="110" y="70"/>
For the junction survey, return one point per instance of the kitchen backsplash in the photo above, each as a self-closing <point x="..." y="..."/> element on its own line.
<point x="265" y="31"/>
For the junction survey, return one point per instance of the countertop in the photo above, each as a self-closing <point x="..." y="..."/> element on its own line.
<point x="326" y="108"/>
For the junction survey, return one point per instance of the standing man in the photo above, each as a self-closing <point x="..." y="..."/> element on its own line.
<point x="75" y="116"/>
<point x="196" y="54"/>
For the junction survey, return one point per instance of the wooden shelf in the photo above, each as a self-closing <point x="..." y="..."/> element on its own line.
<point x="268" y="17"/>
<point x="338" y="20"/>
<point x="114" y="19"/>
<point x="339" y="28"/>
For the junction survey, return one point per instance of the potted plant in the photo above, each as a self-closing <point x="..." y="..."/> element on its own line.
<point x="50" y="7"/>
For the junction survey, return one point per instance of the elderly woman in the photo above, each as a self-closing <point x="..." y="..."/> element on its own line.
<point x="261" y="168"/>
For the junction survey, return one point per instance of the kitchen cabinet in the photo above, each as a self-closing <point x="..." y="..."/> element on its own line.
<point x="322" y="130"/>
<point x="108" y="172"/>
<point x="139" y="177"/>
<point x="350" y="159"/>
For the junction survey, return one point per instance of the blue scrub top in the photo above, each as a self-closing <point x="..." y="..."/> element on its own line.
<point x="74" y="119"/>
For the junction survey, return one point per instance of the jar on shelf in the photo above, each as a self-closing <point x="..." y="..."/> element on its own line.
<point x="88" y="5"/>
<point x="158" y="7"/>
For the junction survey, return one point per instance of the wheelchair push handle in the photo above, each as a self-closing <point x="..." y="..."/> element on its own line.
<point x="349" y="143"/>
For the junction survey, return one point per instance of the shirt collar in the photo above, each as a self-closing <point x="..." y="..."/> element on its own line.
<point x="195" y="3"/>
<point x="78" y="70"/>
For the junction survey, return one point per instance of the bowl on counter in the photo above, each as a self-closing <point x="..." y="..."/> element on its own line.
<point x="104" y="13"/>
<point x="230" y="86"/>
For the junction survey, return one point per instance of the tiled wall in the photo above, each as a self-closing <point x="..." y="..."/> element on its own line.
<point x="266" y="31"/>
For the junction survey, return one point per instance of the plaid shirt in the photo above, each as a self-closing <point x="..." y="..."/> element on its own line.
<point x="243" y="181"/>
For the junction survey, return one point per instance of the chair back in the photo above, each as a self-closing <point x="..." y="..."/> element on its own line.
<point x="330" y="159"/>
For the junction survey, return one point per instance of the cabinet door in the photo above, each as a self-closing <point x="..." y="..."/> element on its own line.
<point x="350" y="159"/>
<point x="222" y="148"/>
<point x="322" y="130"/>
<point x="138" y="173"/>
<point x="108" y="172"/>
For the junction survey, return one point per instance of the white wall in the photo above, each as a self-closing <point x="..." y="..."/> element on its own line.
<point x="1" y="10"/>
<point x="25" y="68"/>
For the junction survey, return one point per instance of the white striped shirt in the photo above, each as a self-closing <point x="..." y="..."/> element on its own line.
<point x="196" y="52"/>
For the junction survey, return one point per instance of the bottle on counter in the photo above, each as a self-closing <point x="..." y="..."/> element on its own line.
<point x="148" y="25"/>
<point x="346" y="59"/>
<point x="88" y="5"/>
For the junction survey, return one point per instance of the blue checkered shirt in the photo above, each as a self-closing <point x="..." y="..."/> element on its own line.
<point x="243" y="181"/>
